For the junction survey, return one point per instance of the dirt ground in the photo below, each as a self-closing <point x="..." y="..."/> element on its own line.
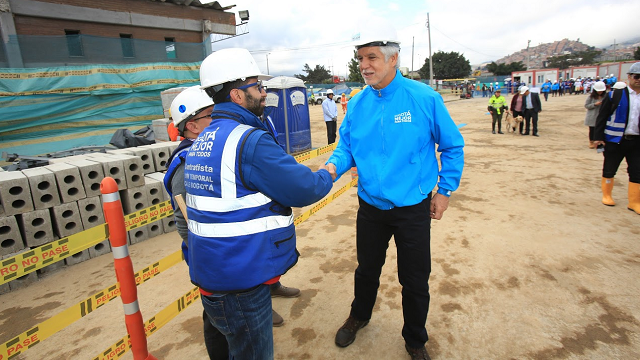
<point x="527" y="264"/>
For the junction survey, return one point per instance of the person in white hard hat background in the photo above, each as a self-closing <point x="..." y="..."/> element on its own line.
<point x="390" y="133"/>
<point x="618" y="129"/>
<point x="240" y="188"/>
<point x="330" y="112"/>
<point x="532" y="107"/>
<point x="592" y="104"/>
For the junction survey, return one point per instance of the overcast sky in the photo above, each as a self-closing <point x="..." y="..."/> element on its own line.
<point x="292" y="33"/>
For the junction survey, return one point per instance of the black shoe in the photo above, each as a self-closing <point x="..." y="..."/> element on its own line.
<point x="277" y="319"/>
<point x="536" y="135"/>
<point x="417" y="354"/>
<point x="525" y="133"/>
<point x="493" y="132"/>
<point x="500" y="132"/>
<point x="347" y="333"/>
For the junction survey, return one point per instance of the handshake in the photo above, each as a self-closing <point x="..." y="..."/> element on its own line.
<point x="331" y="168"/>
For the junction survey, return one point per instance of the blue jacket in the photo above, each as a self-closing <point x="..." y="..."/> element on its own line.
<point x="612" y="120"/>
<point x="546" y="87"/>
<point x="391" y="136"/>
<point x="240" y="188"/>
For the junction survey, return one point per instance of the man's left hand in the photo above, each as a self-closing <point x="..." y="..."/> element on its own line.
<point x="439" y="203"/>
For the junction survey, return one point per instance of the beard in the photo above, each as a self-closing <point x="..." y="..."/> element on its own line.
<point x="255" y="104"/>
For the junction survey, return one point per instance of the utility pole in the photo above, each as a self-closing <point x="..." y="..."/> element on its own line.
<point x="528" y="55"/>
<point x="614" y="49"/>
<point x="267" y="63"/>
<point x="413" y="45"/>
<point x="430" y="57"/>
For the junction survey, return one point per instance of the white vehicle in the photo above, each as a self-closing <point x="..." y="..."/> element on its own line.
<point x="320" y="96"/>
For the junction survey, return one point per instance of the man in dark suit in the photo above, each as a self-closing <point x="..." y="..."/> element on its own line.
<point x="532" y="106"/>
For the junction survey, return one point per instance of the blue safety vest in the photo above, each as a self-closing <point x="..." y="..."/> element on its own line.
<point x="617" y="122"/>
<point x="249" y="237"/>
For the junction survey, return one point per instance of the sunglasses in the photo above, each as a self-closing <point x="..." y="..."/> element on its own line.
<point x="635" y="76"/>
<point x="257" y="83"/>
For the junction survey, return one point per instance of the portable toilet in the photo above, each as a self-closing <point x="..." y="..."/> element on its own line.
<point x="288" y="108"/>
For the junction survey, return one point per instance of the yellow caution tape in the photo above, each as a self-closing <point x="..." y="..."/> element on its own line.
<point x="47" y="328"/>
<point x="315" y="153"/>
<point x="30" y="261"/>
<point x="123" y="345"/>
<point x="148" y="215"/>
<point x="324" y="202"/>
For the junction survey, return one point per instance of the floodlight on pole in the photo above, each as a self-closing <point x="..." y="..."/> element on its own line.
<point x="244" y="15"/>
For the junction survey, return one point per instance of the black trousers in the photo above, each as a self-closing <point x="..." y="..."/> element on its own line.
<point x="332" y="126"/>
<point x="496" y="117"/>
<point x="530" y="116"/>
<point x="628" y="148"/>
<point x="411" y="228"/>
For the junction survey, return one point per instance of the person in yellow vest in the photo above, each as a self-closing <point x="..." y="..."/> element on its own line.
<point x="497" y="104"/>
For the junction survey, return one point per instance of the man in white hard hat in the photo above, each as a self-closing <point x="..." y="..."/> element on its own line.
<point x="618" y="129"/>
<point x="390" y="133"/>
<point x="330" y="113"/>
<point x="241" y="186"/>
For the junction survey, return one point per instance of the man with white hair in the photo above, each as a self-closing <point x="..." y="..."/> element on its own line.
<point x="390" y="133"/>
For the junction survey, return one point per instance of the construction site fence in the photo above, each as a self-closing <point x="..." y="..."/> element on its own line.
<point x="28" y="262"/>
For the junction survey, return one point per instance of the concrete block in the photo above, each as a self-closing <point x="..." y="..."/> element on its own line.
<point x="67" y="159"/>
<point x="155" y="229"/>
<point x="69" y="182"/>
<point x="91" y="212"/>
<point x="138" y="234"/>
<point x="167" y="96"/>
<point x="99" y="249"/>
<point x="35" y="227"/>
<point x="44" y="187"/>
<point x="145" y="156"/>
<point x="155" y="191"/>
<point x="160" y="130"/>
<point x="77" y="257"/>
<point x="168" y="224"/>
<point x="15" y="193"/>
<point x="10" y="236"/>
<point x="173" y="145"/>
<point x="160" y="153"/>
<point x="24" y="280"/>
<point x="91" y="173"/>
<point x="112" y="168"/>
<point x="120" y="152"/>
<point x="132" y="169"/>
<point x="66" y="219"/>
<point x="134" y="199"/>
<point x="50" y="269"/>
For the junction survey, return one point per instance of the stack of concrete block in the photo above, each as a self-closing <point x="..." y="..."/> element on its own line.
<point x="41" y="205"/>
<point x="160" y="129"/>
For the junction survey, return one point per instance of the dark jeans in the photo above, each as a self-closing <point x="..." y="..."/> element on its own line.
<point x="531" y="116"/>
<point x="614" y="153"/>
<point x="216" y="343"/>
<point x="546" y="95"/>
<point x="591" y="132"/>
<point x="246" y="320"/>
<point x="496" y="117"/>
<point x="411" y="228"/>
<point x="331" y="131"/>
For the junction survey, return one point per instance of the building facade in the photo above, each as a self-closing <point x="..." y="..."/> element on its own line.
<point x="39" y="33"/>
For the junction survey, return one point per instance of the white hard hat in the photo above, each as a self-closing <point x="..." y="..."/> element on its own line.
<point x="634" y="69"/>
<point x="599" y="86"/>
<point x="375" y="32"/>
<point x="188" y="103"/>
<point x="523" y="90"/>
<point x="611" y="75"/>
<point x="228" y="65"/>
<point x="329" y="91"/>
<point x="620" y="85"/>
<point x="496" y="83"/>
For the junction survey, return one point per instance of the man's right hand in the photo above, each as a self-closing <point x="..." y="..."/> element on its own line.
<point x="331" y="168"/>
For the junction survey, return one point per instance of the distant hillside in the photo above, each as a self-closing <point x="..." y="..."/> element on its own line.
<point x="541" y="52"/>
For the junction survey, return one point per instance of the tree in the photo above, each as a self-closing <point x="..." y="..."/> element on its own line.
<point x="636" y="54"/>
<point x="451" y="65"/>
<point x="354" y="69"/>
<point x="318" y="75"/>
<point x="505" y="69"/>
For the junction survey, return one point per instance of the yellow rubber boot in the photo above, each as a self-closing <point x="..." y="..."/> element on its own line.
<point x="634" y="197"/>
<point x="607" y="187"/>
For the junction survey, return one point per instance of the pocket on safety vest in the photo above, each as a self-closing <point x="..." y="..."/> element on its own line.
<point x="283" y="249"/>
